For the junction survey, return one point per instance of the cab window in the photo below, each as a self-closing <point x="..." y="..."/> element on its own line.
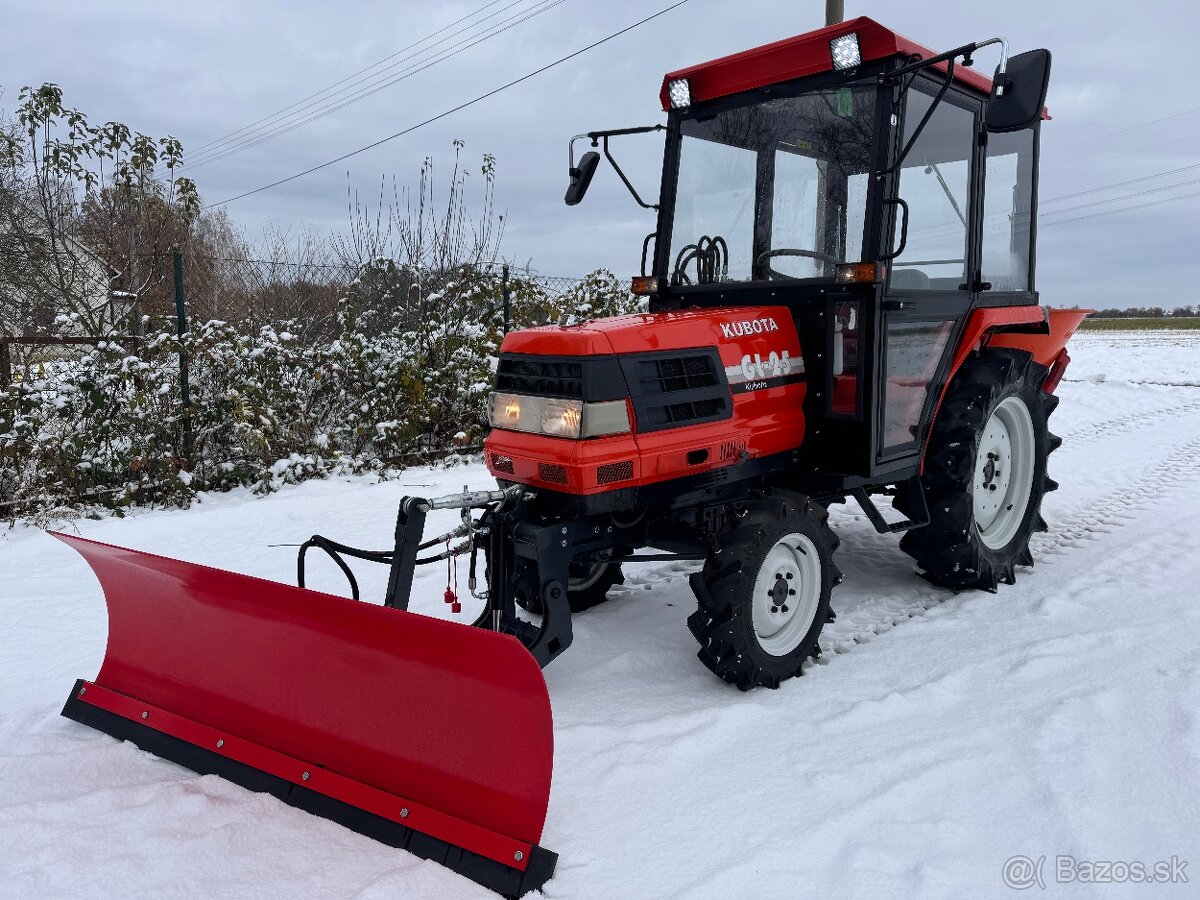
<point x="935" y="183"/>
<point x="1008" y="211"/>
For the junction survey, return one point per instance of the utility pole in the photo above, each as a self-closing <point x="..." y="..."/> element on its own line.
<point x="835" y="11"/>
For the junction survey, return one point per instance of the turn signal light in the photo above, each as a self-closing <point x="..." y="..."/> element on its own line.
<point x="644" y="284"/>
<point x="860" y="273"/>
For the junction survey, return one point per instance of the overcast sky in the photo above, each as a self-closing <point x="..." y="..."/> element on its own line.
<point x="202" y="70"/>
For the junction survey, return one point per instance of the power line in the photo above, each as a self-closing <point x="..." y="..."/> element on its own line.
<point x="1092" y="162"/>
<point x="1109" y="212"/>
<point x="286" y="128"/>
<point x="455" y="109"/>
<point x="1108" y="187"/>
<point x="1121" y="131"/>
<point x="1165" y="187"/>
<point x="323" y="90"/>
<point x="1001" y="218"/>
<point x="333" y="103"/>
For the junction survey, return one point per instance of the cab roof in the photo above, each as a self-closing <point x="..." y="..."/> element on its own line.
<point x="805" y="54"/>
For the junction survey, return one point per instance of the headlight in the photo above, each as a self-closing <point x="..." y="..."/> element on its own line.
<point x="557" y="417"/>
<point x="562" y="418"/>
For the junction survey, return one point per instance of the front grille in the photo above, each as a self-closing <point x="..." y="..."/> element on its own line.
<point x="696" y="409"/>
<point x="679" y="373"/>
<point x="676" y="388"/>
<point x="502" y="463"/>
<point x="610" y="472"/>
<point x="540" y="378"/>
<point x="552" y="474"/>
<point x="685" y="413"/>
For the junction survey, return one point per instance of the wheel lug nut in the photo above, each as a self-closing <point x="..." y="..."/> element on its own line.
<point x="791" y="592"/>
<point x="789" y="576"/>
<point x="784" y="608"/>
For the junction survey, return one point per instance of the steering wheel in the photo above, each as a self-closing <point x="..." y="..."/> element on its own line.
<point x="790" y="251"/>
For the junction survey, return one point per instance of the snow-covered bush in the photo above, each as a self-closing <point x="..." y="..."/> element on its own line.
<point x="405" y="380"/>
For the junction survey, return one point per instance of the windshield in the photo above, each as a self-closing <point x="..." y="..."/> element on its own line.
<point x="773" y="189"/>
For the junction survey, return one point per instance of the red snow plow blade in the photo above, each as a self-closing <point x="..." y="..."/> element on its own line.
<point x="424" y="734"/>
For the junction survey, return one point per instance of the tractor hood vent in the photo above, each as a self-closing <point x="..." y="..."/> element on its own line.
<point x="588" y="378"/>
<point x="677" y="373"/>
<point x="540" y="377"/>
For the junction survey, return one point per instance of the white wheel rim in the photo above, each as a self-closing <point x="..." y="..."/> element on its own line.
<point x="787" y="592"/>
<point x="1003" y="473"/>
<point x="586" y="581"/>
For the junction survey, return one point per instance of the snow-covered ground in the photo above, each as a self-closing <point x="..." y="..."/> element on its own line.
<point x="939" y="736"/>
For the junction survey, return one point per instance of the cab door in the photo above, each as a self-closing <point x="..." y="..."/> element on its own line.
<point x="931" y="283"/>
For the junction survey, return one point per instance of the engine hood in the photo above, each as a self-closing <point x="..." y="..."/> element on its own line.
<point x="645" y="332"/>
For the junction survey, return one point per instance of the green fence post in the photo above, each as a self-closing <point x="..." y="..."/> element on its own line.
<point x="505" y="294"/>
<point x="185" y="392"/>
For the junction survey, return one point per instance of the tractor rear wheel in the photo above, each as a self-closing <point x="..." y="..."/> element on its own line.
<point x="985" y="473"/>
<point x="763" y="598"/>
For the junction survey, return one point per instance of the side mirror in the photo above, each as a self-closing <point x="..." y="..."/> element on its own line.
<point x="1024" y="92"/>
<point x="581" y="177"/>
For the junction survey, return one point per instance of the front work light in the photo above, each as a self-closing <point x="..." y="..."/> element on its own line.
<point x="559" y="417"/>
<point x="845" y="51"/>
<point x="680" y="92"/>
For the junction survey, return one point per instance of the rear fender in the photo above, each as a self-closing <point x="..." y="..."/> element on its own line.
<point x="1041" y="331"/>
<point x="1045" y="348"/>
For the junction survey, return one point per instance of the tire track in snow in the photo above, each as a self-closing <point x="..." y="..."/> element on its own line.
<point x="1116" y="508"/>
<point x="849" y="630"/>
<point x="1124" y="424"/>
<point x="874" y="616"/>
<point x="1089" y="524"/>
<point x="1183" y="384"/>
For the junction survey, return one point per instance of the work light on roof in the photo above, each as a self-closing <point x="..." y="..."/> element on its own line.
<point x="680" y="92"/>
<point x="845" y="51"/>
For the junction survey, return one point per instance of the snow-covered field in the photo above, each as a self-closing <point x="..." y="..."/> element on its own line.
<point x="938" y="737"/>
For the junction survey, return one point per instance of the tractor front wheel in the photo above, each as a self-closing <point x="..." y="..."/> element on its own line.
<point x="764" y="597"/>
<point x="985" y="473"/>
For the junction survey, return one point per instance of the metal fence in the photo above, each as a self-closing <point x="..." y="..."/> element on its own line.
<point x="302" y="297"/>
<point x="257" y="291"/>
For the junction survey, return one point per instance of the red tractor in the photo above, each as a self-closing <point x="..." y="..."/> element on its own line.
<point x="841" y="307"/>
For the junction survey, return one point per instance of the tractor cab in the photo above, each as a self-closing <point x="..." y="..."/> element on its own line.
<point x="880" y="191"/>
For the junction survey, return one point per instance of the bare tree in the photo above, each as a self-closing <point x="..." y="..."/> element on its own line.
<point x="416" y="244"/>
<point x="79" y="204"/>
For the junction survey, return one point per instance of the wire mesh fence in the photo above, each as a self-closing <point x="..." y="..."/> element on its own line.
<point x="300" y="297"/>
<point x="234" y="371"/>
<point x="304" y="297"/>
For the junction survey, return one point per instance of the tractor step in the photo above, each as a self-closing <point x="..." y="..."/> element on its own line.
<point x="913" y="495"/>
